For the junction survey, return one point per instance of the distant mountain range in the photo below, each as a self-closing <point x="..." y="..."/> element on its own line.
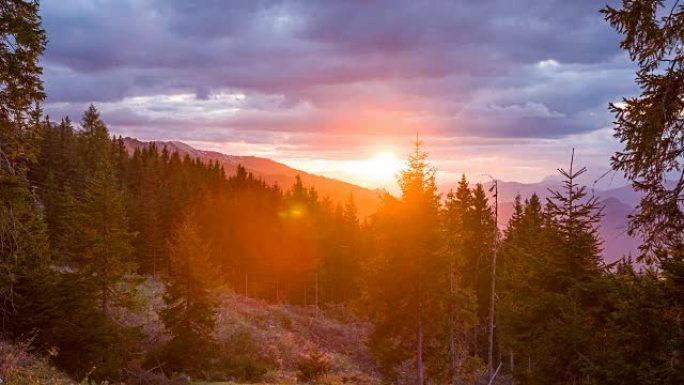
<point x="618" y="202"/>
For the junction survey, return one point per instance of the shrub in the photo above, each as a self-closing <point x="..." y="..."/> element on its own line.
<point x="313" y="366"/>
<point x="19" y="367"/>
<point x="138" y="376"/>
<point x="243" y="369"/>
<point x="212" y="363"/>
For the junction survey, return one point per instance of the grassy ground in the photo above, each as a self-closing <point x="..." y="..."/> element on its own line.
<point x="242" y="383"/>
<point x="19" y="367"/>
<point x="279" y="335"/>
<point x="274" y="336"/>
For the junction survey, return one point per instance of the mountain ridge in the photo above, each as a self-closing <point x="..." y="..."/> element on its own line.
<point x="272" y="172"/>
<point x="618" y="202"/>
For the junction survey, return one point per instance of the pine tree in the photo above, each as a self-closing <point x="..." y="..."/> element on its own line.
<point x="552" y="287"/>
<point x="340" y="246"/>
<point x="462" y="316"/>
<point x="66" y="315"/>
<point x="476" y="232"/>
<point x="351" y="249"/>
<point x="301" y="254"/>
<point x="577" y="216"/>
<point x="650" y="126"/>
<point x="479" y="254"/>
<point x="23" y="242"/>
<point x="525" y="253"/>
<point x="639" y="326"/>
<point x="95" y="144"/>
<point x="103" y="236"/>
<point x="189" y="313"/>
<point x="103" y="239"/>
<point x="145" y="191"/>
<point x="55" y="174"/>
<point x="405" y="282"/>
<point x="21" y="45"/>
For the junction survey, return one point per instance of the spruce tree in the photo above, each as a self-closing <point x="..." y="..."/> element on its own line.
<point x="640" y="337"/>
<point x="525" y="253"/>
<point x="189" y="315"/>
<point x="340" y="246"/>
<point x="576" y="215"/>
<point x="462" y="312"/>
<point x="478" y="257"/>
<point x="351" y="244"/>
<point x="95" y="145"/>
<point x="23" y="241"/>
<point x="552" y="288"/>
<point x="650" y="126"/>
<point x="405" y="281"/>
<point x="104" y="241"/>
<point x="56" y="175"/>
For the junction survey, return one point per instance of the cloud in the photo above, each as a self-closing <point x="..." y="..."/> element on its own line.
<point x="548" y="63"/>
<point x="452" y="69"/>
<point x="527" y="110"/>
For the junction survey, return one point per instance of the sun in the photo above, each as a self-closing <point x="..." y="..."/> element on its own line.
<point x="380" y="170"/>
<point x="383" y="166"/>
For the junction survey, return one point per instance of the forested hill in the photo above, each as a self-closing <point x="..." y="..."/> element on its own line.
<point x="618" y="203"/>
<point x="272" y="172"/>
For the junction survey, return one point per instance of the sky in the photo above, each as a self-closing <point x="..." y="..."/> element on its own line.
<point x="342" y="88"/>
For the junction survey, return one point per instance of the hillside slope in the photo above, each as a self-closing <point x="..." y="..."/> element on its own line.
<point x="275" y="337"/>
<point x="618" y="204"/>
<point x="280" y="335"/>
<point x="259" y="335"/>
<point x="273" y="172"/>
<point x="18" y="366"/>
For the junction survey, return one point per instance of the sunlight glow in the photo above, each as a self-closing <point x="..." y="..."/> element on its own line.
<point x="380" y="170"/>
<point x="295" y="212"/>
<point x="382" y="167"/>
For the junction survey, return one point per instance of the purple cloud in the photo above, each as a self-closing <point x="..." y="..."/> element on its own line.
<point x="452" y="69"/>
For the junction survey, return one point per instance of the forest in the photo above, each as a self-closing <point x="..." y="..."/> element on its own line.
<point x="447" y="296"/>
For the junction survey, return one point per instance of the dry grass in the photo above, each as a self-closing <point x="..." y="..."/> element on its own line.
<point x="275" y="335"/>
<point x="19" y="367"/>
<point x="280" y="335"/>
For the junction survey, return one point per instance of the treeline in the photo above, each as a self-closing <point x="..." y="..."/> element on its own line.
<point x="83" y="221"/>
<point x="278" y="245"/>
<point x="560" y="315"/>
<point x="74" y="292"/>
<point x="115" y="215"/>
<point x="421" y="269"/>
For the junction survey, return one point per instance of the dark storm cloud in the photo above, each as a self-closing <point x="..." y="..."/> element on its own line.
<point x="544" y="68"/>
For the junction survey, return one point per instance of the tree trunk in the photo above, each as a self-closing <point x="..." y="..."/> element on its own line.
<point x="104" y="306"/>
<point x="492" y="297"/>
<point x="316" y="291"/>
<point x="419" y="351"/>
<point x="492" y="309"/>
<point x="246" y="293"/>
<point x="105" y="287"/>
<point x="154" y="262"/>
<point x="452" y="342"/>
